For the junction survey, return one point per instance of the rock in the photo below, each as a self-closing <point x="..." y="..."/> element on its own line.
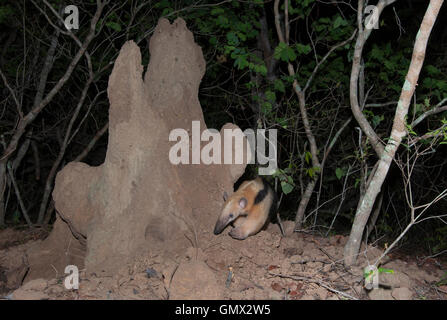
<point x="322" y="292"/>
<point x="402" y="293"/>
<point x="289" y="227"/>
<point x="277" y="287"/>
<point x="380" y="294"/>
<point x="194" y="280"/>
<point x="36" y="285"/>
<point x="32" y="290"/>
<point x="293" y="252"/>
<point x="56" y="289"/>
<point x="274" y="295"/>
<point x="21" y="294"/>
<point x="395" y="280"/>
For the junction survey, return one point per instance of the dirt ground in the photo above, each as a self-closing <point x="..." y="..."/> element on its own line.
<point x="264" y="266"/>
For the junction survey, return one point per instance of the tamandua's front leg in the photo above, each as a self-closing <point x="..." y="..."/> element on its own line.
<point x="239" y="221"/>
<point x="246" y="227"/>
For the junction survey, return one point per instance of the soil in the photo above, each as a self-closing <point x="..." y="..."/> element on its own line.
<point x="140" y="227"/>
<point x="264" y="266"/>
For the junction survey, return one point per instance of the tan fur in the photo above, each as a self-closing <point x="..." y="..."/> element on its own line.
<point x="250" y="219"/>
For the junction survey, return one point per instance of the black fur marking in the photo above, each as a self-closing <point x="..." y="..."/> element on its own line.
<point x="263" y="193"/>
<point x="274" y="207"/>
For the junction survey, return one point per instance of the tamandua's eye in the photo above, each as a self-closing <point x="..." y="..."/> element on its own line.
<point x="231" y="215"/>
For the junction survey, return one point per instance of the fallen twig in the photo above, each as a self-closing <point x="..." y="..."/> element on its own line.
<point x="319" y="282"/>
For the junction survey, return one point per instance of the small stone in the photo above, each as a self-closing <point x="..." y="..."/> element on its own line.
<point x="277" y="287"/>
<point x="402" y="294"/>
<point x="273" y="295"/>
<point x="36" y="285"/>
<point x="395" y="280"/>
<point x="21" y="294"/>
<point x="380" y="294"/>
<point x="151" y="273"/>
<point x="322" y="293"/>
<point x="56" y="289"/>
<point x="293" y="252"/>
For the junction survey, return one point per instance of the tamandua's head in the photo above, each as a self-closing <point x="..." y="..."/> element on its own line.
<point x="233" y="208"/>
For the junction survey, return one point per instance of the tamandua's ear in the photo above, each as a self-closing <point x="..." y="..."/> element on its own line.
<point x="225" y="196"/>
<point x="243" y="203"/>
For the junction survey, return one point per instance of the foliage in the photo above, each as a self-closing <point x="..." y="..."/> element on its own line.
<point x="246" y="83"/>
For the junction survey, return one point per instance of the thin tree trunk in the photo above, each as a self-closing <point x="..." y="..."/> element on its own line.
<point x="315" y="161"/>
<point x="301" y="94"/>
<point x="299" y="218"/>
<point x="373" y="220"/>
<point x="19" y="197"/>
<point x="2" y="192"/>
<point x="362" y="37"/>
<point x="398" y="132"/>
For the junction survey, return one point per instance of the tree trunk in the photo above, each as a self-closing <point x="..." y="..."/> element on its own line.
<point x="2" y="193"/>
<point x="304" y="202"/>
<point x="398" y="132"/>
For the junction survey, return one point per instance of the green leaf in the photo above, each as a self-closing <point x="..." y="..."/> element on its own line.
<point x="232" y="38"/>
<point x="339" y="21"/>
<point x="376" y="120"/>
<point x="279" y="86"/>
<point x="241" y="62"/>
<point x="5" y="13"/>
<point x="114" y="25"/>
<point x="16" y="217"/>
<point x="339" y="173"/>
<point x="217" y="11"/>
<point x="384" y="270"/>
<point x="311" y="172"/>
<point x="286" y="187"/>
<point x="282" y="122"/>
<point x="213" y="41"/>
<point x="270" y="96"/>
<point x="432" y="70"/>
<point x="303" y="49"/>
<point x="260" y="68"/>
<point x="222" y="21"/>
<point x="284" y="52"/>
<point x="442" y="85"/>
<point x="266" y="108"/>
<point x="162" y="4"/>
<point x="307" y="157"/>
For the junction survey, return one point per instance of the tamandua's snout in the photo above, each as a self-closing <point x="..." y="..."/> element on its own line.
<point x="248" y="209"/>
<point x="230" y="213"/>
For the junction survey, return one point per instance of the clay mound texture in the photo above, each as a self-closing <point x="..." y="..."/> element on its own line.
<point x="137" y="201"/>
